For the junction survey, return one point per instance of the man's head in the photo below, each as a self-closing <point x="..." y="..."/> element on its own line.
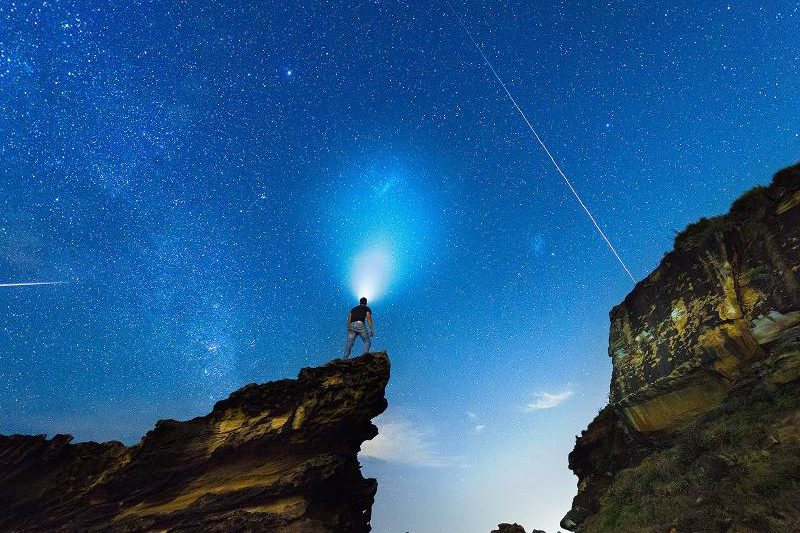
<point x="363" y="301"/>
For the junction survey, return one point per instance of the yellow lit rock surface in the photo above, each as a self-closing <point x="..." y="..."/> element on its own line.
<point x="788" y="203"/>
<point x="719" y="316"/>
<point x="670" y="409"/>
<point x="280" y="456"/>
<point x="717" y="304"/>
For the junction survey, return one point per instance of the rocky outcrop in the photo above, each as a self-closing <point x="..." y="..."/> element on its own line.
<point x="509" y="528"/>
<point x="513" y="528"/>
<point x="727" y="297"/>
<point x="274" y="457"/>
<point x="718" y="320"/>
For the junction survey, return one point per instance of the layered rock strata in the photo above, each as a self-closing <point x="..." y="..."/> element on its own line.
<point x="279" y="456"/>
<point x="720" y="315"/>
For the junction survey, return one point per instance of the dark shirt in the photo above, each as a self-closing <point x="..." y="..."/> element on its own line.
<point x="359" y="313"/>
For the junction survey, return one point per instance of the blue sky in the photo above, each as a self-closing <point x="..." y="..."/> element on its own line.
<point x="208" y="180"/>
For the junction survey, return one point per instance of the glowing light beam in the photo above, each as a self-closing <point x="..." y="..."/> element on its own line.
<point x="32" y="283"/>
<point x="371" y="272"/>
<point x="541" y="143"/>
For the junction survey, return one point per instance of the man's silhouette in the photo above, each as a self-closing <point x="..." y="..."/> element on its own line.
<point x="355" y="326"/>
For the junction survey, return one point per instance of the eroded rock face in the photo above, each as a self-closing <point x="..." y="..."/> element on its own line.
<point x="727" y="297"/>
<point x="721" y="312"/>
<point x="274" y="457"/>
<point x="509" y="528"/>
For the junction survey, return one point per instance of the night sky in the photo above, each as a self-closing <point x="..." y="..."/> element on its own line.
<point x="218" y="183"/>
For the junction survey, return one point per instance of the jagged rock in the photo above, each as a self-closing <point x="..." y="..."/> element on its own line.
<point x="575" y="517"/>
<point x="509" y="528"/>
<point x="607" y="446"/>
<point x="717" y="322"/>
<point x="727" y="297"/>
<point x="274" y="457"/>
<point x="513" y="528"/>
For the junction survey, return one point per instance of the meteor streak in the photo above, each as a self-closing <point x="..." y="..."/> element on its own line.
<point x="32" y="283"/>
<point x="541" y="143"/>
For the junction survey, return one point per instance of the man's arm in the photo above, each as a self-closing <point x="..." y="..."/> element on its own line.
<point x="348" y="318"/>
<point x="371" y="326"/>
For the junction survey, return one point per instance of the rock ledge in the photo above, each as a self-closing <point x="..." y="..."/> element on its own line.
<point x="279" y="456"/>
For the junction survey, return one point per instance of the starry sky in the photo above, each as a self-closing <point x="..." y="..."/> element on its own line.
<point x="217" y="183"/>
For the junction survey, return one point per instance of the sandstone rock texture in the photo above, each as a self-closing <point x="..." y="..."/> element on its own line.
<point x="279" y="456"/>
<point x="720" y="314"/>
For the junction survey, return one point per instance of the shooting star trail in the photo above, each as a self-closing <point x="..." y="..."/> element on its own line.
<point x="541" y="143"/>
<point x="32" y="283"/>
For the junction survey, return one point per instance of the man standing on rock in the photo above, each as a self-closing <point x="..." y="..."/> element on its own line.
<point x="355" y="326"/>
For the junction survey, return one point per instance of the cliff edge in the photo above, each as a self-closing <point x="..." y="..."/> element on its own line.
<point x="702" y="429"/>
<point x="279" y="456"/>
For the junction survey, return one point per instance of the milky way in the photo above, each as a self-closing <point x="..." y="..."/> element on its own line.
<point x="219" y="183"/>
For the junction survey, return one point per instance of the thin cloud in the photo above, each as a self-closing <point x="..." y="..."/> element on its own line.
<point x="480" y="429"/>
<point x="548" y="400"/>
<point x="471" y="415"/>
<point x="399" y="441"/>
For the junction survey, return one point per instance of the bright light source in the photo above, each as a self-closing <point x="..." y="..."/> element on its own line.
<point x="371" y="272"/>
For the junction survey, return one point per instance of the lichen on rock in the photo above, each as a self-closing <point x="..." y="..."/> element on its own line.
<point x="719" y="317"/>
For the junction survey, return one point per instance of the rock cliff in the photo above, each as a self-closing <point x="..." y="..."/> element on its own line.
<point x="274" y="457"/>
<point x="702" y="427"/>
